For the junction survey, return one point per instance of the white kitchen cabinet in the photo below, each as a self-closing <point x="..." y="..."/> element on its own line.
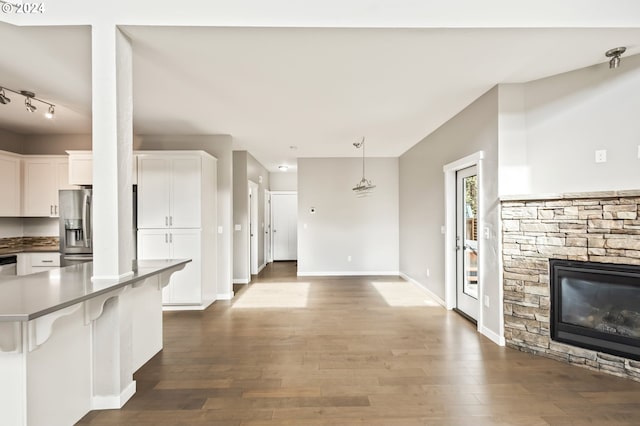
<point x="10" y="187"/>
<point x="43" y="177"/>
<point x="177" y="219"/>
<point x="81" y="168"/>
<point x="185" y="286"/>
<point x="34" y="262"/>
<point x="169" y="191"/>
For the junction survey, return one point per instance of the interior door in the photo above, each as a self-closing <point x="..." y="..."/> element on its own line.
<point x="467" y="242"/>
<point x="253" y="227"/>
<point x="284" y="221"/>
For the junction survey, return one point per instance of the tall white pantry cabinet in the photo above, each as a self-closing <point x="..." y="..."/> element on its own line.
<point x="177" y="198"/>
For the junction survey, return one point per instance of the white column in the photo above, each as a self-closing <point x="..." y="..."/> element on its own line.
<point x="112" y="152"/>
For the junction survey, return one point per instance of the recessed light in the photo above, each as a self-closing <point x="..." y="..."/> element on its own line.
<point x="283" y="168"/>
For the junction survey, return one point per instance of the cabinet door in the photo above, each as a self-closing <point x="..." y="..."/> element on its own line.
<point x="185" y="193"/>
<point x="40" y="188"/>
<point x="62" y="169"/>
<point x="154" y="244"/>
<point x="10" y="185"/>
<point x="185" y="284"/>
<point x="153" y="192"/>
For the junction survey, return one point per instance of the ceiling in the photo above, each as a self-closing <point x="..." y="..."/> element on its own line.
<point x="318" y="90"/>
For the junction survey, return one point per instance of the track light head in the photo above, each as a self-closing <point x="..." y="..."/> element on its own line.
<point x="3" y="98"/>
<point x="49" y="114"/>
<point x="615" y="54"/>
<point x="28" y="106"/>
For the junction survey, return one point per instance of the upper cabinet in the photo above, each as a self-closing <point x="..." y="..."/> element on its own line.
<point x="169" y="191"/>
<point x="43" y="176"/>
<point x="81" y="168"/>
<point x="10" y="184"/>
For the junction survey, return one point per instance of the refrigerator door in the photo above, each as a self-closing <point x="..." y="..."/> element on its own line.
<point x="75" y="221"/>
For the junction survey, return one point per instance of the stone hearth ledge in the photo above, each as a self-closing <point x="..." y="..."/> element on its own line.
<point x="571" y="195"/>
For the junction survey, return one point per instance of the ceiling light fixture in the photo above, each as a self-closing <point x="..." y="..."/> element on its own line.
<point x="283" y="168"/>
<point x="615" y="54"/>
<point x="29" y="97"/>
<point x="3" y="98"/>
<point x="364" y="187"/>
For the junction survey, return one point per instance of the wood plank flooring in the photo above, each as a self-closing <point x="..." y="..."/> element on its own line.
<point x="354" y="351"/>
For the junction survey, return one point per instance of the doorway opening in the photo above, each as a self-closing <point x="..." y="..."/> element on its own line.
<point x="284" y="226"/>
<point x="464" y="223"/>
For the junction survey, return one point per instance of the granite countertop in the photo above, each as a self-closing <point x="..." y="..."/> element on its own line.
<point x="28" y="249"/>
<point x="27" y="297"/>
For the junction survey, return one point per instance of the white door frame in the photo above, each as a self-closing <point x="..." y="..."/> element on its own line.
<point x="271" y="213"/>
<point x="253" y="228"/>
<point x="450" y="272"/>
<point x="268" y="255"/>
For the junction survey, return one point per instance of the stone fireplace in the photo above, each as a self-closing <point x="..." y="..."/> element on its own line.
<point x="597" y="228"/>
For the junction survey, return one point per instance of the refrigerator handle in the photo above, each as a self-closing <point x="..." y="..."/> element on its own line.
<point x="86" y="213"/>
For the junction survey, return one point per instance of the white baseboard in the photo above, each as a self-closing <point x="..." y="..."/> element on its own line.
<point x="495" y="338"/>
<point x="241" y="280"/>
<point x="262" y="267"/>
<point x="348" y="273"/>
<point x="100" y="402"/>
<point x="424" y="289"/>
<point x="199" y="307"/>
<point x="225" y="296"/>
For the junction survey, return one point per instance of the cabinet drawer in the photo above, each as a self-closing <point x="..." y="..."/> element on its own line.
<point x="45" y="259"/>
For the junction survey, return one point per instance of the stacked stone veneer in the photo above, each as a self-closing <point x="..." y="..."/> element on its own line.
<point x="598" y="227"/>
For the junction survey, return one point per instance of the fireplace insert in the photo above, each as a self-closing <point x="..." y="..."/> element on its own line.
<point x="596" y="306"/>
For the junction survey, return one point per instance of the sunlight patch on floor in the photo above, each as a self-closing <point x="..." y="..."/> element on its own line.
<point x="402" y="293"/>
<point x="274" y="295"/>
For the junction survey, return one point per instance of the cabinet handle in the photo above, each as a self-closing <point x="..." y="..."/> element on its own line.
<point x="171" y="238"/>
<point x="56" y="210"/>
<point x="51" y="209"/>
<point x="47" y="261"/>
<point x="166" y="221"/>
<point x="166" y="238"/>
<point x="170" y="220"/>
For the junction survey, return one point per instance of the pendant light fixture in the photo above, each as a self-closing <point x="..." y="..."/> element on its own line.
<point x="364" y="187"/>
<point x="29" y="97"/>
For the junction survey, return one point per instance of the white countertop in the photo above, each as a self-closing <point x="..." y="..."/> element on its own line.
<point x="27" y="297"/>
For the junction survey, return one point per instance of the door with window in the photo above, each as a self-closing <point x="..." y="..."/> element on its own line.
<point x="467" y="242"/>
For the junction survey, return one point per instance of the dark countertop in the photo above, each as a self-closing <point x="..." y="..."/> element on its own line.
<point x="28" y="249"/>
<point x="27" y="297"/>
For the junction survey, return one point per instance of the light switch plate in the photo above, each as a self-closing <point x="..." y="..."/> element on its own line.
<point x="219" y="229"/>
<point x="238" y="227"/>
<point x="601" y="156"/>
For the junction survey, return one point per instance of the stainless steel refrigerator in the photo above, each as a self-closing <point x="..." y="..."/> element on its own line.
<point x="76" y="245"/>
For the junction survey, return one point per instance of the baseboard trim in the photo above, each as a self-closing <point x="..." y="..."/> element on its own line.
<point x="199" y="307"/>
<point x="99" y="402"/>
<point x="491" y="335"/>
<point x="424" y="289"/>
<point x="225" y="296"/>
<point x="348" y="273"/>
<point x="264" y="265"/>
<point x="241" y="281"/>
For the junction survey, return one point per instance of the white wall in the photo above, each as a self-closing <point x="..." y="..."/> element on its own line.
<point x="11" y="142"/>
<point x="364" y="228"/>
<point x="55" y="144"/>
<point x="567" y="118"/>
<point x="245" y="168"/>
<point x="422" y="200"/>
<point x="220" y="147"/>
<point x="283" y="181"/>
<point x="11" y="227"/>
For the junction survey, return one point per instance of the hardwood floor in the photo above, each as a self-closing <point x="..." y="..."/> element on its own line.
<point x="354" y="351"/>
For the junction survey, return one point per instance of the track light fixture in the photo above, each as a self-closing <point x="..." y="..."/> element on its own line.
<point x="615" y="54"/>
<point x="29" y="97"/>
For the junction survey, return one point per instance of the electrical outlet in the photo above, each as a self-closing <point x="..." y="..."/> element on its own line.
<point x="601" y="156"/>
<point x="428" y="272"/>
<point x="348" y="258"/>
<point x="486" y="301"/>
<point x="220" y="229"/>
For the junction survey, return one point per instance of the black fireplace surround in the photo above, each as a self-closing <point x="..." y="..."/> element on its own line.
<point x="596" y="306"/>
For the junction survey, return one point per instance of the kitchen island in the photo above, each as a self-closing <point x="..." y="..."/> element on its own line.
<point x="69" y="345"/>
